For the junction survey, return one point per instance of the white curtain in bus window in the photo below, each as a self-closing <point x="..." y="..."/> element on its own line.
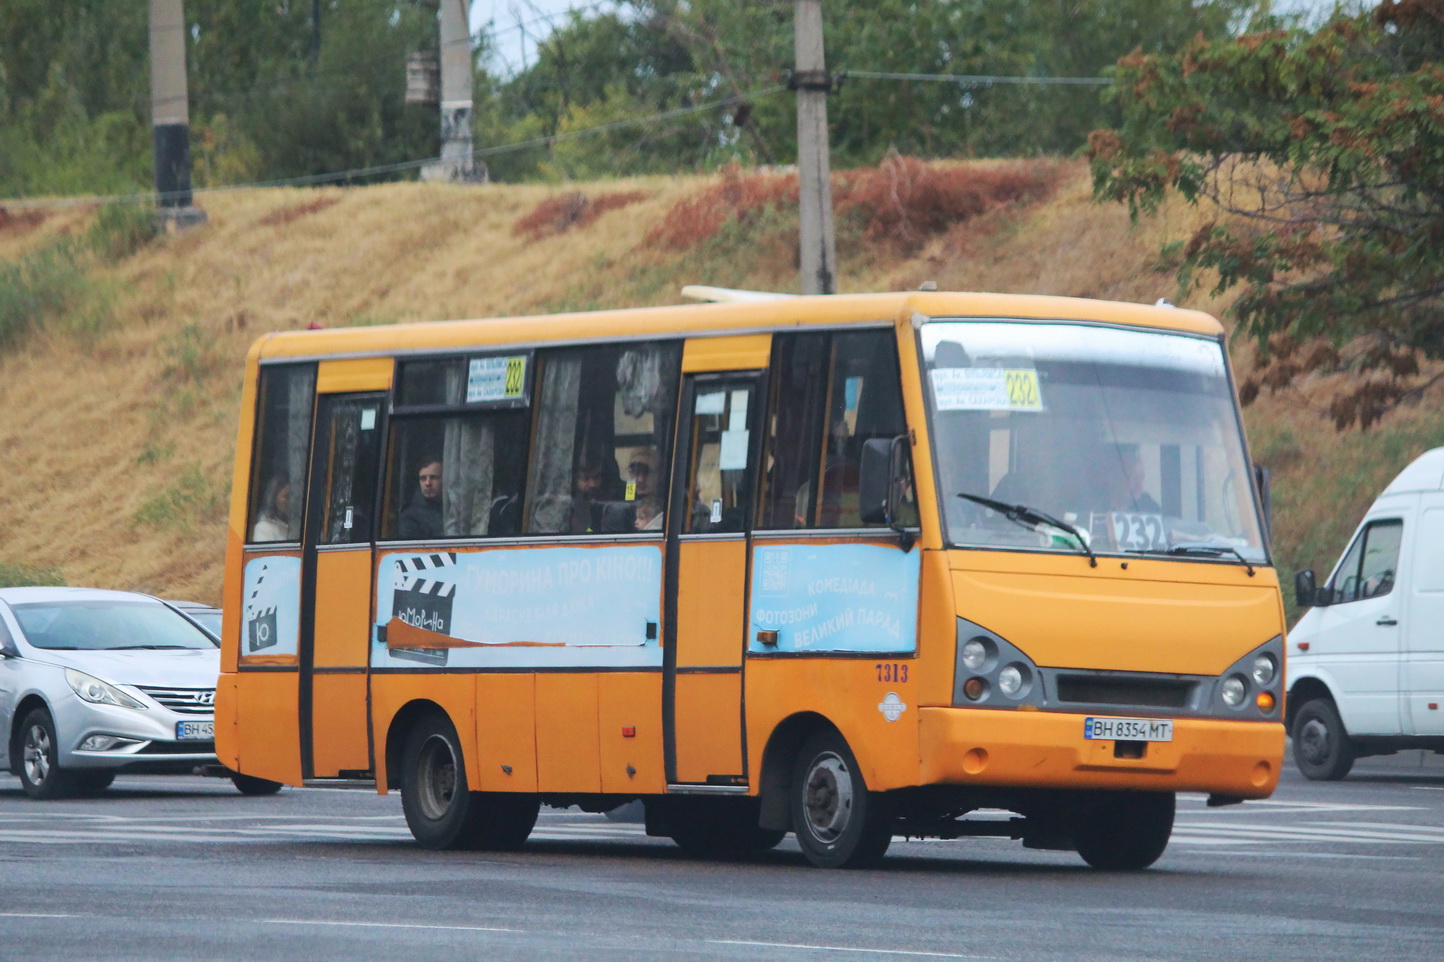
<point x="283" y="443"/>
<point x="602" y="439"/>
<point x="468" y="468"/>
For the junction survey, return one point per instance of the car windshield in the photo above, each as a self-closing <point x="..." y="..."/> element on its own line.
<point x="207" y="618"/>
<point x="107" y="626"/>
<point x="1131" y="437"/>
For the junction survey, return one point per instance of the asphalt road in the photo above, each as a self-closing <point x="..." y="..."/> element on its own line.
<point x="185" y="868"/>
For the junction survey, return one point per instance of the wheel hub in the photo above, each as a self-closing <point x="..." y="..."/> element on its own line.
<point x="437" y="782"/>
<point x="37" y="755"/>
<point x="827" y="797"/>
<point x="1314" y="741"/>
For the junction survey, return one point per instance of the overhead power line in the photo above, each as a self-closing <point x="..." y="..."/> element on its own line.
<point x="977" y="80"/>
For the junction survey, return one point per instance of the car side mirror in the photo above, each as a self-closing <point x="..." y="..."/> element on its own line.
<point x="1306" y="592"/>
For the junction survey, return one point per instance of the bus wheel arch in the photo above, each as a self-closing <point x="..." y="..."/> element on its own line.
<point x="401" y="724"/>
<point x="778" y="759"/>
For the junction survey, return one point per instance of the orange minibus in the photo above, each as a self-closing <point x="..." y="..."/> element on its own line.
<point x="848" y="567"/>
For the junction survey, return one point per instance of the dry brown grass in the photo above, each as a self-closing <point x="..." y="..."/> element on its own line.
<point x="95" y="434"/>
<point x="574" y="210"/>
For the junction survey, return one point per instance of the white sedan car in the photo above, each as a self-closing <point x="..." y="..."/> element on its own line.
<point x="94" y="683"/>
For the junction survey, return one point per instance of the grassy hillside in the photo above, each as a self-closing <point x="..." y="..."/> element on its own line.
<point x="118" y="401"/>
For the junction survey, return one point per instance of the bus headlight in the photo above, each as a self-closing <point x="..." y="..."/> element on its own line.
<point x="1013" y="680"/>
<point x="1264" y="670"/>
<point x="975" y="653"/>
<point x="1233" y="690"/>
<point x="991" y="672"/>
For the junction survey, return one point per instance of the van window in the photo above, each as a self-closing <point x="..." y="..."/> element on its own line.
<point x="283" y="443"/>
<point x="1428" y="573"/>
<point x="1367" y="570"/>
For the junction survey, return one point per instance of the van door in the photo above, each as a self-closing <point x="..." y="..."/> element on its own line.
<point x="1422" y="621"/>
<point x="1358" y="638"/>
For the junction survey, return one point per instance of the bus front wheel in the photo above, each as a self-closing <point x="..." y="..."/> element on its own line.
<point x="838" y="822"/>
<point x="1123" y="831"/>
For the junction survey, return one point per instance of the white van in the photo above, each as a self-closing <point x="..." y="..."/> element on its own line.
<point x="1366" y="662"/>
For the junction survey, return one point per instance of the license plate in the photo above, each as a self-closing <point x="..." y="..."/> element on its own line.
<point x="1129" y="729"/>
<point x="188" y="731"/>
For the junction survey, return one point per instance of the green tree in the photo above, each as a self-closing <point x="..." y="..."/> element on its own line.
<point x="1327" y="148"/>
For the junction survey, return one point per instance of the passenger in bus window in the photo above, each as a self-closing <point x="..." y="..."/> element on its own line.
<point x="587" y="498"/>
<point x="273" y="522"/>
<point x="649" y="515"/>
<point x="421" y="519"/>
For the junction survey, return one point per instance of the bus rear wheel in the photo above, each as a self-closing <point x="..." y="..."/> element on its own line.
<point x="838" y="822"/>
<point x="441" y="810"/>
<point x="1123" y="831"/>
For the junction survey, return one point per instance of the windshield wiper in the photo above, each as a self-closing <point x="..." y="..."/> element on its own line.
<point x="1027" y="517"/>
<point x="1208" y="550"/>
<point x="150" y="648"/>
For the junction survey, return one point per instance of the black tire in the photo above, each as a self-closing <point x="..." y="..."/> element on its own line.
<point x="1322" y="749"/>
<point x="251" y="785"/>
<point x="40" y="773"/>
<point x="91" y="783"/>
<point x="721" y="828"/>
<point x="838" y="822"/>
<point x="441" y="810"/>
<point x="1123" y="831"/>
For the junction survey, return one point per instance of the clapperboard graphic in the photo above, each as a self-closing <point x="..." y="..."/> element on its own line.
<point x="260" y="620"/>
<point x="423" y="600"/>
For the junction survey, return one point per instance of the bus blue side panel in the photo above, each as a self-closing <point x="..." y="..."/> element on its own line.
<point x="543" y="607"/>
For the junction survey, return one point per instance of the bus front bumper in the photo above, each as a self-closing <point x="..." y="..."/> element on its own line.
<point x="1034" y="749"/>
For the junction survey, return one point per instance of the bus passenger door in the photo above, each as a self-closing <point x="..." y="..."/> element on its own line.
<point x="709" y="517"/>
<point x="336" y="589"/>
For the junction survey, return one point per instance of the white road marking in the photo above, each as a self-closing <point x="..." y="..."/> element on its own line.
<point x="846" y="948"/>
<point x="34" y="915"/>
<point x="388" y="925"/>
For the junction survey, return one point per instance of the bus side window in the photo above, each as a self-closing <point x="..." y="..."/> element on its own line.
<point x="456" y="476"/>
<point x="601" y="457"/>
<point x="831" y="393"/>
<point x="282" y="449"/>
<point x="457" y="473"/>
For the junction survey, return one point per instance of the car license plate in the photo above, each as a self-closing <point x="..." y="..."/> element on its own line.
<point x="1129" y="729"/>
<point x="192" y="731"/>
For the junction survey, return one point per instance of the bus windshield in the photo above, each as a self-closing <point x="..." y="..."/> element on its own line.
<point x="1131" y="438"/>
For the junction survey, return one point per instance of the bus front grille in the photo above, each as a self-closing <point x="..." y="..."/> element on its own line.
<point x="1124" y="692"/>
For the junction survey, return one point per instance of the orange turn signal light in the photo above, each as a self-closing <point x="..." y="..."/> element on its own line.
<point x="974" y="688"/>
<point x="1265" y="702"/>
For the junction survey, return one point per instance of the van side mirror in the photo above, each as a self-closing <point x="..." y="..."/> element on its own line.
<point x="1306" y="592"/>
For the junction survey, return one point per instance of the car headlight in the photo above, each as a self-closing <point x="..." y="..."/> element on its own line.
<point x="92" y="689"/>
<point x="1264" y="669"/>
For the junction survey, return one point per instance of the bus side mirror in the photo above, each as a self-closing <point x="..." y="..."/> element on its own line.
<point x="874" y="482"/>
<point x="1306" y="592"/>
<point x="1262" y="479"/>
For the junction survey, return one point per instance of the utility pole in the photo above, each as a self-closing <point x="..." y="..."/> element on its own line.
<point x="457" y="163"/>
<point x="170" y="113"/>
<point x="810" y="79"/>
